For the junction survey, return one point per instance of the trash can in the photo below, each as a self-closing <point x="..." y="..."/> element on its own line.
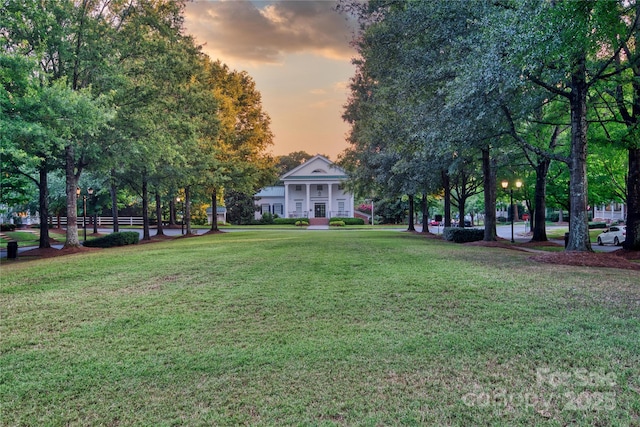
<point x="566" y="239"/>
<point x="12" y="250"/>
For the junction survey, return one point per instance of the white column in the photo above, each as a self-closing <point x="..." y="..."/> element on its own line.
<point x="286" y="200"/>
<point x="308" y="200"/>
<point x="330" y="202"/>
<point x="612" y="208"/>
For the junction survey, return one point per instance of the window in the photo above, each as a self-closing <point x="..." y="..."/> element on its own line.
<point x="319" y="171"/>
<point x="278" y="208"/>
<point x="264" y="209"/>
<point x="299" y="207"/>
<point x="298" y="187"/>
<point x="319" y="187"/>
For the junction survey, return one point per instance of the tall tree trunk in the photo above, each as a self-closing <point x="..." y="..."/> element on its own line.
<point x="187" y="208"/>
<point x="146" y="235"/>
<point x="447" y="198"/>
<point x="461" y="211"/>
<point x="539" y="226"/>
<point x="425" y="213"/>
<point x="411" y="214"/>
<point x="489" y="173"/>
<point x="113" y="191"/>
<point x="172" y="211"/>
<point x="160" y="228"/>
<point x="43" y="201"/>
<point x="72" y="240"/>
<point x="632" y="242"/>
<point x="214" y="210"/>
<point x="578" y="215"/>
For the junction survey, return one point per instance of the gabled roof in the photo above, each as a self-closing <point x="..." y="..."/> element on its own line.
<point x="317" y="167"/>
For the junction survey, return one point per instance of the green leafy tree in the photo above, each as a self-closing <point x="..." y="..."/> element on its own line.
<point x="240" y="161"/>
<point x="569" y="49"/>
<point x="240" y="207"/>
<point x="290" y="161"/>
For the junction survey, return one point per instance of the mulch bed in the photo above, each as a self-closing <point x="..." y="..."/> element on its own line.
<point x="53" y="252"/>
<point x="617" y="259"/>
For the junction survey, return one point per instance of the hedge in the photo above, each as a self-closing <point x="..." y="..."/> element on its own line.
<point x="285" y="221"/>
<point x="334" y="223"/>
<point x="293" y="221"/>
<point x="7" y="227"/>
<point x="114" y="239"/>
<point x="593" y="225"/>
<point x="462" y="235"/>
<point x="348" y="221"/>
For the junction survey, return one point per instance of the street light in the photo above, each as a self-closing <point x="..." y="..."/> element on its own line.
<point x="95" y="223"/>
<point x="182" y="221"/>
<point x="84" y="212"/>
<point x="505" y="185"/>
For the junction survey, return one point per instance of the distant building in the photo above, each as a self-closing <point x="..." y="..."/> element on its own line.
<point x="222" y="215"/>
<point x="312" y="190"/>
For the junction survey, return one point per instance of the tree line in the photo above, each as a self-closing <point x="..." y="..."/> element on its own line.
<point x="449" y="98"/>
<point x="117" y="90"/>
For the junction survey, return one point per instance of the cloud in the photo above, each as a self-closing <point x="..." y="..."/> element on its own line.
<point x="262" y="32"/>
<point x="318" y="92"/>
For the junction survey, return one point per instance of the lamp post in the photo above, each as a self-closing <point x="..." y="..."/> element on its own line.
<point x="84" y="212"/>
<point x="93" y="200"/>
<point x="182" y="219"/>
<point x="505" y="185"/>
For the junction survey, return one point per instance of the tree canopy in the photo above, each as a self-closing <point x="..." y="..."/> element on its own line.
<point x="517" y="85"/>
<point x="119" y="90"/>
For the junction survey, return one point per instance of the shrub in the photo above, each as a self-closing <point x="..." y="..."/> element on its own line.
<point x="555" y="217"/>
<point x="593" y="225"/>
<point x="462" y="235"/>
<point x="267" y="218"/>
<point x="7" y="227"/>
<point x="501" y="219"/>
<point x="114" y="239"/>
<point x="334" y="223"/>
<point x="348" y="221"/>
<point x="302" y="223"/>
<point x="285" y="221"/>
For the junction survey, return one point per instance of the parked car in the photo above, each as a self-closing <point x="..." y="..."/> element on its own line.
<point x="467" y="223"/>
<point x="614" y="235"/>
<point x="434" y="223"/>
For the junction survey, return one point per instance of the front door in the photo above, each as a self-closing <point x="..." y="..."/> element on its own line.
<point x="320" y="210"/>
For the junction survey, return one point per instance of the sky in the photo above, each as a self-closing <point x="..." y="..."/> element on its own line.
<point x="299" y="54"/>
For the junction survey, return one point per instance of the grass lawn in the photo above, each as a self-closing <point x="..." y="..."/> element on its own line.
<point x="558" y="233"/>
<point x="22" y="237"/>
<point x="339" y="327"/>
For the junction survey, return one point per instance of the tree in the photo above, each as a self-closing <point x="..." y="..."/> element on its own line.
<point x="289" y="161"/>
<point x="569" y="49"/>
<point x="242" y="164"/>
<point x="38" y="122"/>
<point x="620" y="107"/>
<point x="240" y="207"/>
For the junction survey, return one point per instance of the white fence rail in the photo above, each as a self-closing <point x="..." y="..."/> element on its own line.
<point x="102" y="221"/>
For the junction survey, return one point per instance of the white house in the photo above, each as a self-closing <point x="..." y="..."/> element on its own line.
<point x="312" y="190"/>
